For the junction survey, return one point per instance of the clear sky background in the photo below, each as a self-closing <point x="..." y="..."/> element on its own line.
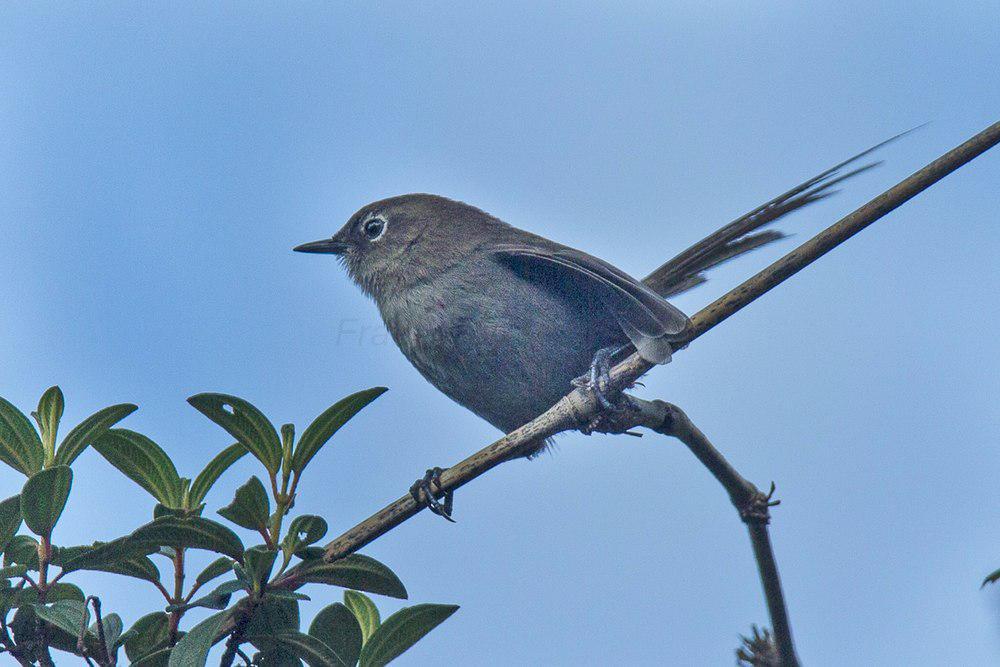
<point x="157" y="164"/>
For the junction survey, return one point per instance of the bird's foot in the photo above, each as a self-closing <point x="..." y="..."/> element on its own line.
<point x="614" y="417"/>
<point x="424" y="495"/>
<point x="598" y="379"/>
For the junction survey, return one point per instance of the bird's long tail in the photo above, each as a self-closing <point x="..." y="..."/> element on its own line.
<point x="740" y="236"/>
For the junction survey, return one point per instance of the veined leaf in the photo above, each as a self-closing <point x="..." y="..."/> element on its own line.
<point x="90" y="430"/>
<point x="67" y="615"/>
<point x="20" y="446"/>
<point x="192" y="650"/>
<point x="43" y="498"/>
<point x="218" y="465"/>
<point x="364" y="611"/>
<point x="401" y="631"/>
<point x="22" y="550"/>
<point x="112" y="633"/>
<point x="273" y="616"/>
<point x="279" y="657"/>
<point x="337" y="627"/>
<point x="355" y="571"/>
<point x="158" y="658"/>
<point x="216" y="568"/>
<point x="147" y="635"/>
<point x="259" y="561"/>
<point x="244" y="422"/>
<point x="144" y="462"/>
<point x="250" y="507"/>
<point x="323" y="427"/>
<point x="193" y="532"/>
<point x="310" y="649"/>
<point x="121" y="556"/>
<point x="217" y="599"/>
<point x="10" y="519"/>
<point x="50" y="411"/>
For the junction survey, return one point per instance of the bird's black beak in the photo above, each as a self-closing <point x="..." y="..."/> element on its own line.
<point x="326" y="246"/>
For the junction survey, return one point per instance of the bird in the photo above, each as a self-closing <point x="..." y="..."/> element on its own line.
<point x="503" y="321"/>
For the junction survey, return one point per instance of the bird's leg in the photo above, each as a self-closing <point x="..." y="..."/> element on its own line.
<point x="423" y="494"/>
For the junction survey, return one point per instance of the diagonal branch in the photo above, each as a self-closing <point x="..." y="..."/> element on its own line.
<point x="579" y="406"/>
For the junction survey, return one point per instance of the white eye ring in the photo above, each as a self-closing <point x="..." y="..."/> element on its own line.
<point x="374" y="228"/>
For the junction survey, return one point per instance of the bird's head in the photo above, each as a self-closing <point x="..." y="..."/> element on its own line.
<point x="393" y="243"/>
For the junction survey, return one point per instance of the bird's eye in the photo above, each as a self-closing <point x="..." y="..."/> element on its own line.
<point x="374" y="228"/>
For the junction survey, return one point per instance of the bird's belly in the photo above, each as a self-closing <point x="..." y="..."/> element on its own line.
<point x="508" y="360"/>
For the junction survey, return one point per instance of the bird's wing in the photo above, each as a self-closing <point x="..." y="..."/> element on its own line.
<point x="645" y="317"/>
<point x="687" y="269"/>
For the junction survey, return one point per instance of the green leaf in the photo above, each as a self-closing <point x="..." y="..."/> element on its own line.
<point x="144" y="462"/>
<point x="303" y="531"/>
<point x="10" y="519"/>
<point x="13" y="571"/>
<point x="50" y="411"/>
<point x="259" y="561"/>
<point x="310" y="649"/>
<point x="158" y="658"/>
<point x="112" y="633"/>
<point x="355" y="571"/>
<point x="272" y="616"/>
<point x="244" y="422"/>
<point x="20" y="446"/>
<point x="217" y="599"/>
<point x="124" y="556"/>
<point x="22" y="550"/>
<point x="364" y="611"/>
<point x="193" y="532"/>
<point x="216" y="568"/>
<point x="991" y="578"/>
<point x="337" y="627"/>
<point x="401" y="631"/>
<point x="328" y="423"/>
<point x="149" y="634"/>
<point x="250" y="507"/>
<point x="43" y="498"/>
<point x="90" y="430"/>
<point x="285" y="594"/>
<point x="278" y="658"/>
<point x="67" y="615"/>
<point x="192" y="650"/>
<point x="207" y="477"/>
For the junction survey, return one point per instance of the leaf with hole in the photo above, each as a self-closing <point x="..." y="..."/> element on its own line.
<point x="20" y="446"/>
<point x="10" y="519"/>
<point x="192" y="650"/>
<point x="218" y="465"/>
<point x="244" y="422"/>
<point x="323" y="427"/>
<point x="401" y="631"/>
<point x="337" y="627"/>
<point x="144" y="462"/>
<point x="87" y="432"/>
<point x="364" y="611"/>
<point x="192" y="532"/>
<point x="303" y="531"/>
<point x="355" y="571"/>
<point x="43" y="498"/>
<point x="250" y="507"/>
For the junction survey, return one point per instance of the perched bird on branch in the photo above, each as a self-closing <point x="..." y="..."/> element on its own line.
<point x="503" y="321"/>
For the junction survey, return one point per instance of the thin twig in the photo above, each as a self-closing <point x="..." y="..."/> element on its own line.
<point x="579" y="406"/>
<point x="752" y="504"/>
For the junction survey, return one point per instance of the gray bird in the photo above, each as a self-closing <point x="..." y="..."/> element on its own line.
<point x="502" y="320"/>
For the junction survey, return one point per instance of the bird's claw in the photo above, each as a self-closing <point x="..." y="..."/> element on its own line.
<point x="598" y="379"/>
<point x="423" y="494"/>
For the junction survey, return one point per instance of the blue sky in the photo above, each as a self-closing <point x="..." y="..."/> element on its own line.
<point x="157" y="163"/>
